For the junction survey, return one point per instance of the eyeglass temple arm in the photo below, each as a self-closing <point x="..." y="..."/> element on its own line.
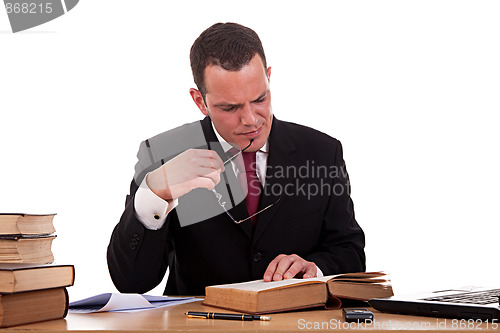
<point x="238" y="153"/>
<point x="222" y="204"/>
<point x="260" y="211"/>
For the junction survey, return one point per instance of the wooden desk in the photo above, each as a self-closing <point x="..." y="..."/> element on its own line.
<point x="174" y="320"/>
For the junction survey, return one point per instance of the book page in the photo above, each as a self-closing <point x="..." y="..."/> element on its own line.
<point x="366" y="277"/>
<point x="260" y="285"/>
<point x="360" y="275"/>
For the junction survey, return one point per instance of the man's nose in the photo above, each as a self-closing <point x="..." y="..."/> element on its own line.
<point x="248" y="116"/>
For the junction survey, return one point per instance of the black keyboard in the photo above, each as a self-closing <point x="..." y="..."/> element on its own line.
<point x="478" y="297"/>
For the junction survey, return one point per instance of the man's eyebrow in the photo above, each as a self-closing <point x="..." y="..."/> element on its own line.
<point x="227" y="105"/>
<point x="261" y="96"/>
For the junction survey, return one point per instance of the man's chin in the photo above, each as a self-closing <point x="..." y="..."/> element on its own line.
<point x="257" y="143"/>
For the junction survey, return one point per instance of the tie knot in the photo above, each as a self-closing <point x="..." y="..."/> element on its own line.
<point x="249" y="158"/>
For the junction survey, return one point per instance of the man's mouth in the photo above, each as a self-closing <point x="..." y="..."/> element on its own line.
<point x="252" y="134"/>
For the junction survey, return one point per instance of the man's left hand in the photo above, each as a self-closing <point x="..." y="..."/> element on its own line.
<point x="289" y="266"/>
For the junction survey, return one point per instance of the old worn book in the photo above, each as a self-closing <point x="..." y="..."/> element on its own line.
<point x="258" y="297"/>
<point x="26" y="224"/>
<point x="32" y="306"/>
<point x="26" y="249"/>
<point x="26" y="277"/>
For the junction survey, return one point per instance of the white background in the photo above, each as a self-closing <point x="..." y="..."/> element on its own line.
<point x="411" y="88"/>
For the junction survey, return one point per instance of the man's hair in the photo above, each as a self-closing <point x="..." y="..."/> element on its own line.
<point x="228" y="45"/>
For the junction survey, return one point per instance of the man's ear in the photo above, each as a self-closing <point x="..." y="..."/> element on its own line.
<point x="269" y="74"/>
<point x="198" y="100"/>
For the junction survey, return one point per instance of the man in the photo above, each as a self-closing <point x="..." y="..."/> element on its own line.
<point x="292" y="217"/>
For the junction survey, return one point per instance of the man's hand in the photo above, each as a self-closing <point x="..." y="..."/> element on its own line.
<point x="192" y="169"/>
<point x="289" y="266"/>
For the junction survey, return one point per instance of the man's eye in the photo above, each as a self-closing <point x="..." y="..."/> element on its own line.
<point x="260" y="100"/>
<point x="231" y="108"/>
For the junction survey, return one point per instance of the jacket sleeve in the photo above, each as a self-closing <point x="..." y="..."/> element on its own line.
<point x="138" y="257"/>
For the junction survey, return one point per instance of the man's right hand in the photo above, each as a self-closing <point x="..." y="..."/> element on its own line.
<point x="192" y="169"/>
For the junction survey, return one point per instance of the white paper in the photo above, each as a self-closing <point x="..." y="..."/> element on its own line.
<point x="125" y="303"/>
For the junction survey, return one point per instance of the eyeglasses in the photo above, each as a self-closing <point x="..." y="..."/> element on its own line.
<point x="223" y="203"/>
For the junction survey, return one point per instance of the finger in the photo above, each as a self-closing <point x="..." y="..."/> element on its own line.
<point x="283" y="265"/>
<point x="311" y="271"/>
<point x="201" y="182"/>
<point x="210" y="159"/>
<point x="213" y="176"/>
<point x="271" y="268"/>
<point x="206" y="178"/>
<point x="203" y="157"/>
<point x="294" y="269"/>
<point x="204" y="166"/>
<point x="216" y="160"/>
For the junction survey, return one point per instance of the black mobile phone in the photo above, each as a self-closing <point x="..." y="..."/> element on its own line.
<point x="357" y="315"/>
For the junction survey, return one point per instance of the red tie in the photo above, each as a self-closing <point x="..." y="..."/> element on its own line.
<point x="253" y="184"/>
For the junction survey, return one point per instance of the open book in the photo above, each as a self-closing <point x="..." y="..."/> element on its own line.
<point x="258" y="297"/>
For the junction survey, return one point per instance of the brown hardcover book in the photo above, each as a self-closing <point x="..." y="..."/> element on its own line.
<point x="32" y="306"/>
<point x="26" y="277"/>
<point x="259" y="297"/>
<point x="26" y="224"/>
<point x="26" y="249"/>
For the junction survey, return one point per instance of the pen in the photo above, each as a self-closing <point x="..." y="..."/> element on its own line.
<point x="228" y="316"/>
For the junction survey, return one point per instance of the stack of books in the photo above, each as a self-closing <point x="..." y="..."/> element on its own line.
<point x="31" y="289"/>
<point x="26" y="238"/>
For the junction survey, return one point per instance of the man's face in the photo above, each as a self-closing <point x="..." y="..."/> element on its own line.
<point x="239" y="103"/>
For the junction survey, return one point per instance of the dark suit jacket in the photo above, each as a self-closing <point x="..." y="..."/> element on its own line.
<point x="314" y="219"/>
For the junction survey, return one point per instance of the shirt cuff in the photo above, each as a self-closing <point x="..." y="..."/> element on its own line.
<point x="150" y="209"/>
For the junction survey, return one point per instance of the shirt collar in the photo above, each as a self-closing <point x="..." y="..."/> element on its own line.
<point x="226" y="146"/>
